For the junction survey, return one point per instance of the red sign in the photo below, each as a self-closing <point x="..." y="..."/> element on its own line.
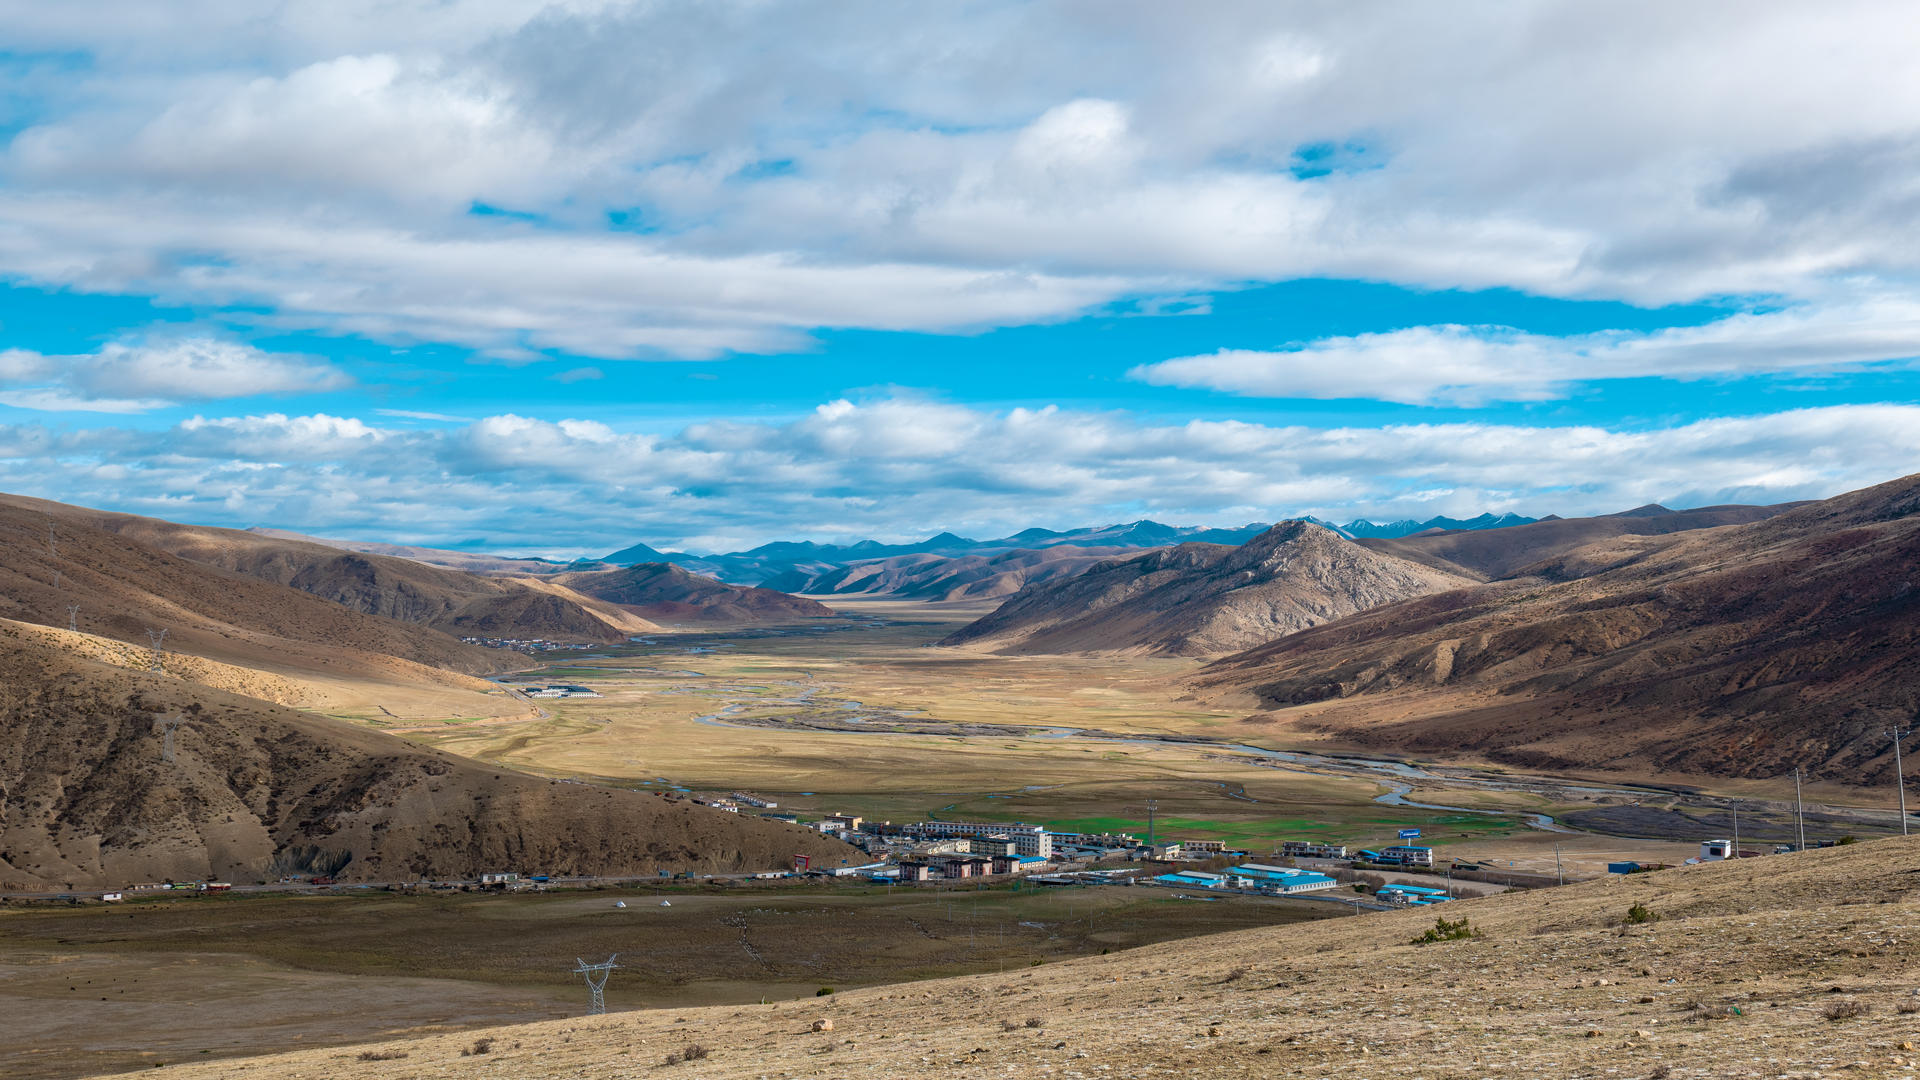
<point x="801" y="862"/>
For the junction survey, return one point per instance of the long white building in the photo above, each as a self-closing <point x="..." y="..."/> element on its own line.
<point x="1027" y="839"/>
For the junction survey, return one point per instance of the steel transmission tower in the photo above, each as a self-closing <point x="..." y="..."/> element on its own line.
<point x="73" y="617"/>
<point x="166" y="725"/>
<point x="596" y="975"/>
<point x="158" y="638"/>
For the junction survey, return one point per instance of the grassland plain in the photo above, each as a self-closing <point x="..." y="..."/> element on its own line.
<point x="860" y="715"/>
<point x="94" y="989"/>
<point x="1796" y="967"/>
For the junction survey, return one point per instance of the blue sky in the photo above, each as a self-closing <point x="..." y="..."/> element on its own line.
<point x="555" y="278"/>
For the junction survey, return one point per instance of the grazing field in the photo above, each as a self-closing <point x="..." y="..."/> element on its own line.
<point x="860" y="715"/>
<point x="103" y="988"/>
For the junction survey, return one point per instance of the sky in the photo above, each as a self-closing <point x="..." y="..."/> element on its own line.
<point x="555" y="277"/>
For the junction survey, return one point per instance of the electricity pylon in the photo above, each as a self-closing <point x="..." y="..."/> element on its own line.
<point x="157" y="637"/>
<point x="73" y="617"/>
<point x="596" y="975"/>
<point x="165" y="725"/>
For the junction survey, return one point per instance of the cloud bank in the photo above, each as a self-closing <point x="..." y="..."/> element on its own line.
<point x="897" y="468"/>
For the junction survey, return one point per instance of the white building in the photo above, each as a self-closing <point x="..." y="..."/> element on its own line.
<point x="1027" y="839"/>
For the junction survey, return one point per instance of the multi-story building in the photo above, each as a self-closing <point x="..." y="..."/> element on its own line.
<point x="1027" y="839"/>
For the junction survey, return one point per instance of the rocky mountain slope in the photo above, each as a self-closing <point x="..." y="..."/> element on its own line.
<point x="1737" y="651"/>
<point x="1204" y="599"/>
<point x="1554" y="983"/>
<point x="664" y="593"/>
<point x="452" y="601"/>
<point x="258" y="790"/>
<point x="469" y="561"/>
<point x="962" y="577"/>
<point x="57" y="569"/>
<point x="1491" y="554"/>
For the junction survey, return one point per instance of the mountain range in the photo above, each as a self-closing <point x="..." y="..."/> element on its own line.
<point x="788" y="564"/>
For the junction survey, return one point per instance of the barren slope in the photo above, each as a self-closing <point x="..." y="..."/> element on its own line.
<point x="1737" y="979"/>
<point x="1491" y="554"/>
<point x="665" y="593"/>
<point x="459" y="603"/>
<point x="1733" y="651"/>
<point x="123" y="588"/>
<point x="258" y="790"/>
<point x="1204" y="599"/>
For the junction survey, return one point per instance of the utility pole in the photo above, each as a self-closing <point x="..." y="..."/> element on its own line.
<point x="1799" y="809"/>
<point x="1736" y="828"/>
<point x="1558" y="870"/>
<point x="1152" y="806"/>
<point x="1899" y="779"/>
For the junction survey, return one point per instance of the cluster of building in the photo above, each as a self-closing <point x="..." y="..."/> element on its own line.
<point x="1252" y="877"/>
<point x="1398" y="855"/>
<point x="528" y="645"/>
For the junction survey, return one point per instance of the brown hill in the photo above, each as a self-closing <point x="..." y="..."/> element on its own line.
<point x="468" y="561"/>
<point x="1492" y="554"/>
<point x="1734" y="651"/>
<point x="941" y="577"/>
<point x="1202" y="599"/>
<point x="459" y="603"/>
<point x="665" y="593"/>
<point x="50" y="563"/>
<point x="257" y="791"/>
<point x="1792" y="966"/>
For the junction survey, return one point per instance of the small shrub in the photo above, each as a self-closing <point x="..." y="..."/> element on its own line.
<point x="1009" y="1025"/>
<point x="1908" y="1008"/>
<point x="1844" y="1010"/>
<point x="1846" y="840"/>
<point x="1640" y="913"/>
<point x="1035" y="1021"/>
<point x="480" y="1046"/>
<point x="382" y="1055"/>
<point x="1443" y="930"/>
<point x="693" y="1052"/>
<point x="1660" y="1072"/>
<point x="823" y="991"/>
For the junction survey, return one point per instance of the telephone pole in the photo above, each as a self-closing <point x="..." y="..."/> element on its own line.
<point x="1899" y="779"/>
<point x="1736" y="828"/>
<point x="1152" y="805"/>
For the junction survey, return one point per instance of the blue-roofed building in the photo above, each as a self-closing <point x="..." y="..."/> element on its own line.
<point x="1283" y="878"/>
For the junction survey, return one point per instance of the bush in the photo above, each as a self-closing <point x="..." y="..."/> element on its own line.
<point x="823" y="991"/>
<point x="1640" y="913"/>
<point x="1844" y="1010"/>
<point x="480" y="1046"/>
<point x="1846" y="840"/>
<point x="1443" y="930"/>
<point x="382" y="1055"/>
<point x="1035" y="1021"/>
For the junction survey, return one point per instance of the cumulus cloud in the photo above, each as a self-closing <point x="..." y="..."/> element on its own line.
<point x="137" y="377"/>
<point x="1473" y="365"/>
<point x="694" y="179"/>
<point x="903" y="468"/>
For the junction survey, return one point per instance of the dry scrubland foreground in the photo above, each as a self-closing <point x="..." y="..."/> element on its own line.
<point x="1789" y="966"/>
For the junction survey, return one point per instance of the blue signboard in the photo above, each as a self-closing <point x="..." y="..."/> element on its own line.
<point x="1409" y="834"/>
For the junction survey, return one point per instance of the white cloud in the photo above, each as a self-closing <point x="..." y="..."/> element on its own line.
<point x="163" y="372"/>
<point x="929" y="168"/>
<point x="898" y="468"/>
<point x="1473" y="365"/>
